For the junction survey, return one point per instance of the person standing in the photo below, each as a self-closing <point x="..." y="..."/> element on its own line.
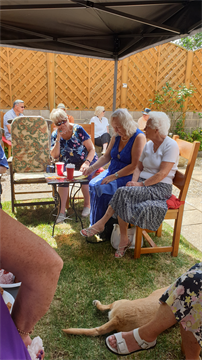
<point x="63" y="107"/>
<point x="143" y="119"/>
<point x="102" y="137"/>
<point x="17" y="110"/>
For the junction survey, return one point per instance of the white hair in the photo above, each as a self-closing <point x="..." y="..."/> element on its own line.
<point x="98" y="110"/>
<point x="16" y="102"/>
<point x="160" y="121"/>
<point x="57" y="115"/>
<point x="125" y="119"/>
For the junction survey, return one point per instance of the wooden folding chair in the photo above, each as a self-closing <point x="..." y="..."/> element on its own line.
<point x="181" y="181"/>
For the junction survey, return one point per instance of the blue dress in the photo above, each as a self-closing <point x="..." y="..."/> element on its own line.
<point x="100" y="195"/>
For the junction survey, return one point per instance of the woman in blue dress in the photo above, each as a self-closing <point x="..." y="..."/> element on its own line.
<point x="123" y="151"/>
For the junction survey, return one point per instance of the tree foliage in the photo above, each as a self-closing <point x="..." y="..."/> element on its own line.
<point x="193" y="42"/>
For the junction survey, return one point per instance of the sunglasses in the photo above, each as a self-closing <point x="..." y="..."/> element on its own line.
<point x="61" y="122"/>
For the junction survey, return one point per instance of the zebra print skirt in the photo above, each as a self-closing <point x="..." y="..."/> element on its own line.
<point x="142" y="206"/>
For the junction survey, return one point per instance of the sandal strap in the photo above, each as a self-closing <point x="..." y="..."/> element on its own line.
<point x="142" y="343"/>
<point x="121" y="344"/>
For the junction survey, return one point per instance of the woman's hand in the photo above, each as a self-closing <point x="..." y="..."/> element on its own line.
<point x="87" y="171"/>
<point x="84" y="166"/>
<point x="133" y="183"/>
<point x="108" y="179"/>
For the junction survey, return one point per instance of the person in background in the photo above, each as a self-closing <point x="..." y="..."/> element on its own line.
<point x="70" y="117"/>
<point x="181" y="303"/>
<point x="101" y="128"/>
<point x="71" y="144"/>
<point x="142" y="202"/>
<point x="17" y="110"/>
<point x="143" y="120"/>
<point x="38" y="267"/>
<point x="123" y="154"/>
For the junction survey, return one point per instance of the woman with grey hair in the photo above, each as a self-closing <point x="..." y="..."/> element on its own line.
<point x="101" y="128"/>
<point x="142" y="201"/>
<point x="123" y="151"/>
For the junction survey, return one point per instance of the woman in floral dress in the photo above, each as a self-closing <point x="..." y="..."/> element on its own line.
<point x="71" y="144"/>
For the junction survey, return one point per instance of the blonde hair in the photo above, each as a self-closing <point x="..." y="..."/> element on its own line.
<point x="98" y="110"/>
<point x="57" y="115"/>
<point x="159" y="120"/>
<point x="125" y="119"/>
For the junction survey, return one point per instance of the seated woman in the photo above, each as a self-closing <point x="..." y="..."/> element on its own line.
<point x="71" y="144"/>
<point x="142" y="201"/>
<point x="124" y="151"/>
<point x="182" y="303"/>
<point x="101" y="128"/>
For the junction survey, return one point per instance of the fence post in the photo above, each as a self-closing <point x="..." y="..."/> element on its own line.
<point x="51" y="80"/>
<point x="190" y="55"/>
<point x="124" y="82"/>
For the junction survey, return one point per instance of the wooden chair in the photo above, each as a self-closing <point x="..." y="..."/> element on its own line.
<point x="181" y="181"/>
<point x="89" y="128"/>
<point x="5" y="142"/>
<point x="31" y="155"/>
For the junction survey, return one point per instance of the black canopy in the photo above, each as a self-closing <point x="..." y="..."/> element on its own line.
<point x="101" y="29"/>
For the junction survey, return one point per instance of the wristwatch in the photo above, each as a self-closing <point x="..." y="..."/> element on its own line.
<point x="143" y="182"/>
<point x="116" y="174"/>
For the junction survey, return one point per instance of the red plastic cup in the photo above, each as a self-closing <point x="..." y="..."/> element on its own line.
<point x="70" y="171"/>
<point x="60" y="168"/>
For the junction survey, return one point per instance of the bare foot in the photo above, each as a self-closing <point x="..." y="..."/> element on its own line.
<point x="129" y="339"/>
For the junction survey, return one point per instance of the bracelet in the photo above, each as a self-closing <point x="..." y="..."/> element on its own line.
<point x="25" y="333"/>
<point x="57" y="140"/>
<point x="143" y="183"/>
<point x="88" y="161"/>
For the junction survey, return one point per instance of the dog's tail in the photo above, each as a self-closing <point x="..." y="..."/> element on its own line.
<point x="104" y="329"/>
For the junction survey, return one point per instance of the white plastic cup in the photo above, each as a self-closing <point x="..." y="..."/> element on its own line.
<point x="70" y="171"/>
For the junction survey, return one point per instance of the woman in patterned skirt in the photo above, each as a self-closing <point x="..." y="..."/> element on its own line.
<point x="142" y="201"/>
<point x="182" y="303"/>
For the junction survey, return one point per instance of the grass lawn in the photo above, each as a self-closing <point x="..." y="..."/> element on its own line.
<point x="91" y="272"/>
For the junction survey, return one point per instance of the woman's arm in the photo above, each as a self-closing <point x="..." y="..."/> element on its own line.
<point x="136" y="151"/>
<point x="55" y="152"/>
<point x="91" y="153"/>
<point x="108" y="129"/>
<point x="103" y="160"/>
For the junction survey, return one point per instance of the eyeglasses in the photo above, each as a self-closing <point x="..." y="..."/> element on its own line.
<point x="103" y="110"/>
<point x="22" y="107"/>
<point x="61" y="122"/>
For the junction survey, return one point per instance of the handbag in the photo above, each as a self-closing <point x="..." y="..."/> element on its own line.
<point x="115" y="236"/>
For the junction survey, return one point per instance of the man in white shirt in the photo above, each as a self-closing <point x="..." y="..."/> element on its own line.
<point x="17" y="110"/>
<point x="143" y="120"/>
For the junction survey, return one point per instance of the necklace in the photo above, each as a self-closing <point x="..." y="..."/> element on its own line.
<point x="125" y="140"/>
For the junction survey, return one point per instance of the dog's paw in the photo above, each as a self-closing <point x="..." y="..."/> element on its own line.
<point x="95" y="302"/>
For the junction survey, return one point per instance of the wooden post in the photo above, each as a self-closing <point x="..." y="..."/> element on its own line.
<point x="9" y="77"/>
<point x="51" y="80"/>
<point x="124" y="82"/>
<point x="190" y="55"/>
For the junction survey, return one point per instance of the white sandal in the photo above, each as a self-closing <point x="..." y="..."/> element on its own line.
<point x="122" y="348"/>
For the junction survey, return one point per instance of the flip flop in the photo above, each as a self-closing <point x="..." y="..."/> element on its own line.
<point x="90" y="231"/>
<point x="122" y="349"/>
<point x="119" y="254"/>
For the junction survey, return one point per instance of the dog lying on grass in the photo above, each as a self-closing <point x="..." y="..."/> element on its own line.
<point x="125" y="315"/>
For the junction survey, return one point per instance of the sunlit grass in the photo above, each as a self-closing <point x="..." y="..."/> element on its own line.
<point x="91" y="272"/>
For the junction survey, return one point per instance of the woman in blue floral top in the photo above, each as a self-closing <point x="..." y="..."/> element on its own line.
<point x="71" y="144"/>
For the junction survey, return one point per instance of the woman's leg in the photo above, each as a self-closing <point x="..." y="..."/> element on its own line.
<point x="35" y="264"/>
<point x="123" y="232"/>
<point x="85" y="191"/>
<point x="190" y="346"/>
<point x="63" y="192"/>
<point x="163" y="319"/>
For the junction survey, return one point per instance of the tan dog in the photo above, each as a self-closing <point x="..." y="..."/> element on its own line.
<point x="125" y="315"/>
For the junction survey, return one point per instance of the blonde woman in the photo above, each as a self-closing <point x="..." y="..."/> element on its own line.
<point x="102" y="137"/>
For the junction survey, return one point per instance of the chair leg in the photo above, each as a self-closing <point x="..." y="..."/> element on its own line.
<point x="159" y="231"/>
<point x="67" y="202"/>
<point x="138" y="240"/>
<point x="177" y="231"/>
<point x="9" y="151"/>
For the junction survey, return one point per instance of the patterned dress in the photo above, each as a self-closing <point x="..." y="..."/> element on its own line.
<point x="100" y="195"/>
<point x="184" y="297"/>
<point x="73" y="151"/>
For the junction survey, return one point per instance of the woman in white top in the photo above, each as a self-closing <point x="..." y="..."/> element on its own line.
<point x="142" y="201"/>
<point x="102" y="137"/>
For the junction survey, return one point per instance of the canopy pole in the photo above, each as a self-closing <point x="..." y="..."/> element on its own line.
<point x="115" y="82"/>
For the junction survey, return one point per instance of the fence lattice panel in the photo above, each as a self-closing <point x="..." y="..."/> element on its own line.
<point x="142" y="72"/>
<point x="71" y="81"/>
<point x="101" y="83"/>
<point x="195" y="102"/>
<point x="29" y="77"/>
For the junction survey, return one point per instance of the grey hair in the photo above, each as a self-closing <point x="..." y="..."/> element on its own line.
<point x="125" y="119"/>
<point x="57" y="115"/>
<point x="17" y="102"/>
<point x="160" y="121"/>
<point x="98" y="110"/>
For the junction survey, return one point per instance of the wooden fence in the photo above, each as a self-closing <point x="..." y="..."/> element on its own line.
<point x="43" y="80"/>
